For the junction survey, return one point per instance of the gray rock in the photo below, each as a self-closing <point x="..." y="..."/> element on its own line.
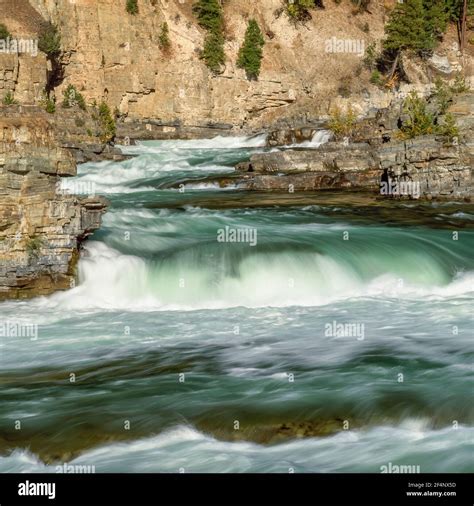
<point x="440" y="63"/>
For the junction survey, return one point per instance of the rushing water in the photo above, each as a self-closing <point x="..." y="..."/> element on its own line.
<point x="171" y="337"/>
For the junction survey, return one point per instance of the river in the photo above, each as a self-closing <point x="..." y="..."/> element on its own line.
<point x="335" y="336"/>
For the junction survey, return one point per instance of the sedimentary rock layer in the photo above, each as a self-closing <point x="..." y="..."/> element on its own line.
<point x="41" y="226"/>
<point x="437" y="167"/>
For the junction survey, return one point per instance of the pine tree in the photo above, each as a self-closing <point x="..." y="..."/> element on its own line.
<point x="454" y="8"/>
<point x="418" y="120"/>
<point x="210" y="17"/>
<point x="4" y="33"/>
<point x="209" y="14"/>
<point x="407" y="28"/>
<point x="436" y="19"/>
<point x="213" y="51"/>
<point x="251" y="52"/>
<point x="164" y="38"/>
<point x="49" y="40"/>
<point x="299" y="9"/>
<point x="132" y="7"/>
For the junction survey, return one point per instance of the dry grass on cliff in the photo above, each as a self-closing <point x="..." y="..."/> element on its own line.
<point x="20" y="18"/>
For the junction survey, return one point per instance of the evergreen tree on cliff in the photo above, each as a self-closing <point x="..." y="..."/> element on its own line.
<point x="251" y="52"/>
<point x="436" y="19"/>
<point x="209" y="14"/>
<point x="210" y="17"/>
<point x="407" y="28"/>
<point x="416" y="26"/>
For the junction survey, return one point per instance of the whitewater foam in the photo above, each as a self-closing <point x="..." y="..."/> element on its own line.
<point x="319" y="138"/>
<point x="219" y="142"/>
<point x="185" y="449"/>
<point x="110" y="279"/>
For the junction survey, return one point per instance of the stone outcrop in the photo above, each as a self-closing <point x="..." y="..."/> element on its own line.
<point x="78" y="132"/>
<point x="435" y="168"/>
<point x="41" y="226"/>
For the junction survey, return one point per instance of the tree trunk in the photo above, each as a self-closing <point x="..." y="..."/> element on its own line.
<point x="463" y="26"/>
<point x="394" y="66"/>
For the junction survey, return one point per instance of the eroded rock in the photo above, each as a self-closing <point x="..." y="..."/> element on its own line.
<point x="41" y="226"/>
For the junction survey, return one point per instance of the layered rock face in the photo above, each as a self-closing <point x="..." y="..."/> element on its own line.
<point x="41" y="226"/>
<point x="114" y="56"/>
<point x="432" y="167"/>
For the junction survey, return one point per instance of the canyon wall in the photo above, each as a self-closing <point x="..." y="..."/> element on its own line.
<point x="114" y="56"/>
<point x="41" y="225"/>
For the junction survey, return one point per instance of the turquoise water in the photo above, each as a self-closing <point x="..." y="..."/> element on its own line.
<point x="173" y="336"/>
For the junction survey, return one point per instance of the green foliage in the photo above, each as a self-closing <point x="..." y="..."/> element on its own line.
<point x="8" y="98"/>
<point x="418" y="25"/>
<point x="454" y="9"/>
<point x="48" y="104"/>
<point x="107" y="123"/>
<point x="34" y="245"/>
<point x="443" y="96"/>
<point x="4" y="33"/>
<point x="49" y="40"/>
<point x="459" y="85"/>
<point x="298" y="10"/>
<point x="424" y="119"/>
<point x="72" y="98"/>
<point x="418" y="120"/>
<point x="371" y="56"/>
<point x="210" y="17"/>
<point x="251" y="52"/>
<point x="436" y="19"/>
<point x="342" y="124"/>
<point x="376" y="78"/>
<point x="407" y="29"/>
<point x="164" y="37"/>
<point x="132" y="7"/>
<point x="213" y="51"/>
<point x="449" y="128"/>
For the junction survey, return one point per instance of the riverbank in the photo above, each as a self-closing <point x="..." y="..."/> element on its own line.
<point x="42" y="226"/>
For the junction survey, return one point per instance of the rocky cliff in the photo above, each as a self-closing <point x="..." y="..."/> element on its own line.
<point x="41" y="226"/>
<point x="431" y="167"/>
<point x="427" y="166"/>
<point x="111" y="55"/>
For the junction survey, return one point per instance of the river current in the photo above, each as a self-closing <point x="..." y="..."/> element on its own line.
<point x="335" y="336"/>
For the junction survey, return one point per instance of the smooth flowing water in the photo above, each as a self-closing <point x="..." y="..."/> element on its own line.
<point x="337" y="337"/>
